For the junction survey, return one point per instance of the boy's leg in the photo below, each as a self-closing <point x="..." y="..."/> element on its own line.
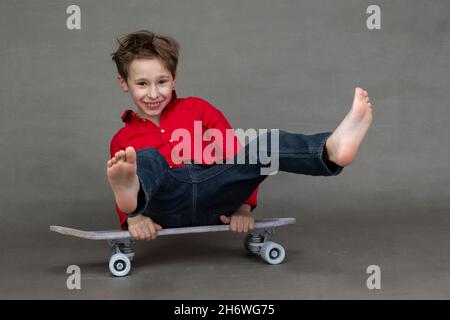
<point x="152" y="168"/>
<point x="279" y="150"/>
<point x="223" y="188"/>
<point x="297" y="153"/>
<point x="172" y="205"/>
<point x="135" y="177"/>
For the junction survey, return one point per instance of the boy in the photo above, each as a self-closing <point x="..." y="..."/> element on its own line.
<point x="152" y="189"/>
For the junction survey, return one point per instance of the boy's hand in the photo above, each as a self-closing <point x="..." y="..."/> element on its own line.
<point x="143" y="228"/>
<point x="240" y="221"/>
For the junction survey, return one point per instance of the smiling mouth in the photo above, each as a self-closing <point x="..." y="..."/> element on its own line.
<point x="153" y="105"/>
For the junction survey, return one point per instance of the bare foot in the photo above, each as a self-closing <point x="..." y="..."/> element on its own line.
<point x="121" y="170"/>
<point x="342" y="146"/>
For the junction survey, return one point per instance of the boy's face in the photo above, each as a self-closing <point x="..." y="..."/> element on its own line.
<point x="150" y="85"/>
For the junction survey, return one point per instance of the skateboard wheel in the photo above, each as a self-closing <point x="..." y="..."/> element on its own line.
<point x="272" y="252"/>
<point x="119" y="265"/>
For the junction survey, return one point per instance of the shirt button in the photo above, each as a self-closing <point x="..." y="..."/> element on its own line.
<point x="170" y="166"/>
<point x="162" y="130"/>
<point x="170" y="140"/>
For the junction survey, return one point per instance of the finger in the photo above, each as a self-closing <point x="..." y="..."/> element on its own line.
<point x="236" y="223"/>
<point x="246" y="224"/>
<point x="147" y="232"/>
<point x="157" y="226"/>
<point x="233" y="224"/>
<point x="240" y="226"/>
<point x="252" y="224"/>
<point x="225" y="219"/>
<point x="141" y="233"/>
<point x="136" y="232"/>
<point x="152" y="231"/>
<point x="133" y="233"/>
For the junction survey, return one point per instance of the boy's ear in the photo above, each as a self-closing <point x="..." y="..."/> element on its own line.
<point x="175" y="81"/>
<point x="123" y="83"/>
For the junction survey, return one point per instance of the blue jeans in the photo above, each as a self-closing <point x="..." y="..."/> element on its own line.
<point x="198" y="194"/>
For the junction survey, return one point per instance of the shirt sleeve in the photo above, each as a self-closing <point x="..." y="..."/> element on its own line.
<point x="114" y="147"/>
<point x="212" y="118"/>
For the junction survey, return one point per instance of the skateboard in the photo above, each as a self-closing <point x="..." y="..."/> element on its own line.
<point x="256" y="242"/>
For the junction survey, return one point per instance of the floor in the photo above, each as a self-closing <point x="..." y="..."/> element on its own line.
<point x="326" y="258"/>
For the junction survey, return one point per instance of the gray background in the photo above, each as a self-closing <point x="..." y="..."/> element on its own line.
<point x="266" y="64"/>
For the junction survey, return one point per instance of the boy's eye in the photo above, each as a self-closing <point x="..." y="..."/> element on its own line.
<point x="143" y="83"/>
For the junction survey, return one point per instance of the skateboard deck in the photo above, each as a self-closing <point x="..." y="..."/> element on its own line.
<point x="118" y="234"/>
<point x="256" y="242"/>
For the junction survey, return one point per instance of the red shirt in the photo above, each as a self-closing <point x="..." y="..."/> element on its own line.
<point x="179" y="113"/>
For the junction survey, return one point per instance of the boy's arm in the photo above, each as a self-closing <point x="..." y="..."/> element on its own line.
<point x="212" y="118"/>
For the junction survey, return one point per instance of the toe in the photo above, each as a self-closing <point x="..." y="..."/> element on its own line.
<point x="120" y="155"/>
<point x="130" y="154"/>
<point x="359" y="93"/>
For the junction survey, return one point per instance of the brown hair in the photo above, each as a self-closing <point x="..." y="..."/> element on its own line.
<point x="146" y="44"/>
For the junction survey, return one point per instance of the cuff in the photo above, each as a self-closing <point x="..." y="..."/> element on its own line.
<point x="333" y="168"/>
<point x="141" y="203"/>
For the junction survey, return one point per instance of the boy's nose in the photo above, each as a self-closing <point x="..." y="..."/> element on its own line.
<point x="152" y="93"/>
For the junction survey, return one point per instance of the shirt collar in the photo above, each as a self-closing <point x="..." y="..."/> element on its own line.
<point x="129" y="114"/>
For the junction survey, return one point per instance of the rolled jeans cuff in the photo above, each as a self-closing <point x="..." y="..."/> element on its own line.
<point x="332" y="168"/>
